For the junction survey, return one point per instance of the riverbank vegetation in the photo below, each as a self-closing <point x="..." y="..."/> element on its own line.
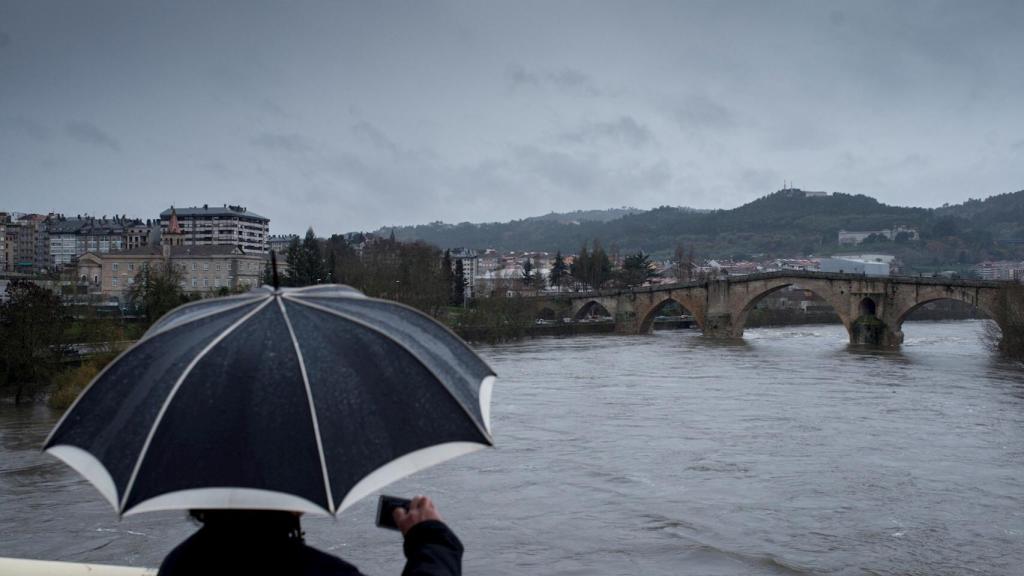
<point x="43" y="339"/>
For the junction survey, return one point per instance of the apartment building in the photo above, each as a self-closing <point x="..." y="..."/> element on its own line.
<point x="219" y="226"/>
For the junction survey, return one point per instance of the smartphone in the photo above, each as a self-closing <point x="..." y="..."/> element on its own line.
<point x="385" y="508"/>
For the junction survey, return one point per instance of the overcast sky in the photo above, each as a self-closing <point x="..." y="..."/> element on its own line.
<point x="353" y="115"/>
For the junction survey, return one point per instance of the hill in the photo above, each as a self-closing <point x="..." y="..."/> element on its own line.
<point x="787" y="223"/>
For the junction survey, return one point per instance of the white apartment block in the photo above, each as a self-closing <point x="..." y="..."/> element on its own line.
<point x="219" y="226"/>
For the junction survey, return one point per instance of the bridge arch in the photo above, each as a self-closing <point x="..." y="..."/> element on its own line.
<point x="987" y="305"/>
<point x="589" y="308"/>
<point x="691" y="306"/>
<point x="839" y="301"/>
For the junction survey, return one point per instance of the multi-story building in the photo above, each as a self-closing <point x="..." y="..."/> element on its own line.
<point x="204" y="270"/>
<point x="4" y="218"/>
<point x="137" y="234"/>
<point x="279" y="243"/>
<point x="1000" y="270"/>
<point x="70" y="238"/>
<point x="220" y="226"/>
<point x="26" y="249"/>
<point x="470" y="269"/>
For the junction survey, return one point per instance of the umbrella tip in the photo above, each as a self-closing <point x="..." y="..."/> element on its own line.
<point x="273" y="270"/>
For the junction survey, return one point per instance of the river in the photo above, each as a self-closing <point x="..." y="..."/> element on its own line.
<point x="788" y="453"/>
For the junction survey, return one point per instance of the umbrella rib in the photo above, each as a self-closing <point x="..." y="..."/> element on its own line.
<point x="174" y="391"/>
<point x="401" y="345"/>
<point x="312" y="406"/>
<point x="240" y="304"/>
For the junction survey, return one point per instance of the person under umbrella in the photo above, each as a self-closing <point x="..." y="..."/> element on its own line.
<point x="271" y="542"/>
<point x="289" y="400"/>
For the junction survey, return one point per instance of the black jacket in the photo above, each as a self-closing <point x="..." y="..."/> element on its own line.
<point x="269" y="545"/>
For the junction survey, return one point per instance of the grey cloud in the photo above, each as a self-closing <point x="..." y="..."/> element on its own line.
<point x="700" y="112"/>
<point x="374" y="136"/>
<point x="273" y="108"/>
<point x="567" y="79"/>
<point x="583" y="175"/>
<point x="625" y="130"/>
<point x="24" y="126"/>
<point x="5" y="39"/>
<point x="89" y="133"/>
<point x="1018" y="145"/>
<point x="215" y="167"/>
<point x="281" y="142"/>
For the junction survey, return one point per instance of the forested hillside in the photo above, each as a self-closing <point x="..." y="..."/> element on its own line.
<point x="783" y="224"/>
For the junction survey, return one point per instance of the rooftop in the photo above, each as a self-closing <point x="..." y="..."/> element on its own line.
<point x="225" y="210"/>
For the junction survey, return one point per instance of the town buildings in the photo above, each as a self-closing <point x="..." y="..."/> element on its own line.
<point x="70" y="238"/>
<point x="26" y="244"/>
<point x="279" y="243"/>
<point x="852" y="265"/>
<point x="228" y="225"/>
<point x="204" y="270"/>
<point x="1000" y="270"/>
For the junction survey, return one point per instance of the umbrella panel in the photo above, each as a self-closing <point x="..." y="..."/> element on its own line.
<point x="446" y="355"/>
<point x="375" y="400"/>
<point x="241" y="419"/>
<point x="112" y="418"/>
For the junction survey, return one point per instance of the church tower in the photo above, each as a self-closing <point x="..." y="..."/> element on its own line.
<point x="174" y="236"/>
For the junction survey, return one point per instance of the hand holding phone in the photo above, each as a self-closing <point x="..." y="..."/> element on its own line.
<point x="386" y="506"/>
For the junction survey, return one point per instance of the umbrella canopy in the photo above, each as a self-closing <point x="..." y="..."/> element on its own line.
<point x="302" y="399"/>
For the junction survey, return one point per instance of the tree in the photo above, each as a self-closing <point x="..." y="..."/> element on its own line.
<point x="156" y="290"/>
<point x="601" y="267"/>
<point x="293" y="255"/>
<point x="528" y="272"/>
<point x="306" y="261"/>
<point x="459" y="284"/>
<point x="32" y="324"/>
<point x="558" y="271"/>
<point x="637" y="269"/>
<point x="343" y="263"/>
<point x="580" y="268"/>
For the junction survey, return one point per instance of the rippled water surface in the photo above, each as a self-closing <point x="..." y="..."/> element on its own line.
<point x="788" y="453"/>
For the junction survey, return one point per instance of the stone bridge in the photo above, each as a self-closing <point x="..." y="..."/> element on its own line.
<point x="871" y="308"/>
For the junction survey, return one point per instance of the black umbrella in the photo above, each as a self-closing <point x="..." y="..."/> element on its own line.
<point x="302" y="399"/>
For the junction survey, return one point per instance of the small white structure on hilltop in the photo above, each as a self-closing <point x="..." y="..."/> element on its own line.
<point x="853" y="265"/>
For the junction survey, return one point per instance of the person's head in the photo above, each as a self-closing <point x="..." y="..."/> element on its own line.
<point x="249" y="521"/>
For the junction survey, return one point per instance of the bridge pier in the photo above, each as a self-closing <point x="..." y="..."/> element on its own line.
<point x="871" y="331"/>
<point x="721" y="325"/>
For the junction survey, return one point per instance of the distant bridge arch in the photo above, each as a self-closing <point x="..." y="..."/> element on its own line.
<point x="687" y="302"/>
<point x="754" y="292"/>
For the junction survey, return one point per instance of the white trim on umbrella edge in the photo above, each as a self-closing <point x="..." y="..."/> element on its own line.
<point x="227" y="498"/>
<point x="405" y="465"/>
<point x="253" y="498"/>
<point x="89" y="467"/>
<point x="485" y="400"/>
